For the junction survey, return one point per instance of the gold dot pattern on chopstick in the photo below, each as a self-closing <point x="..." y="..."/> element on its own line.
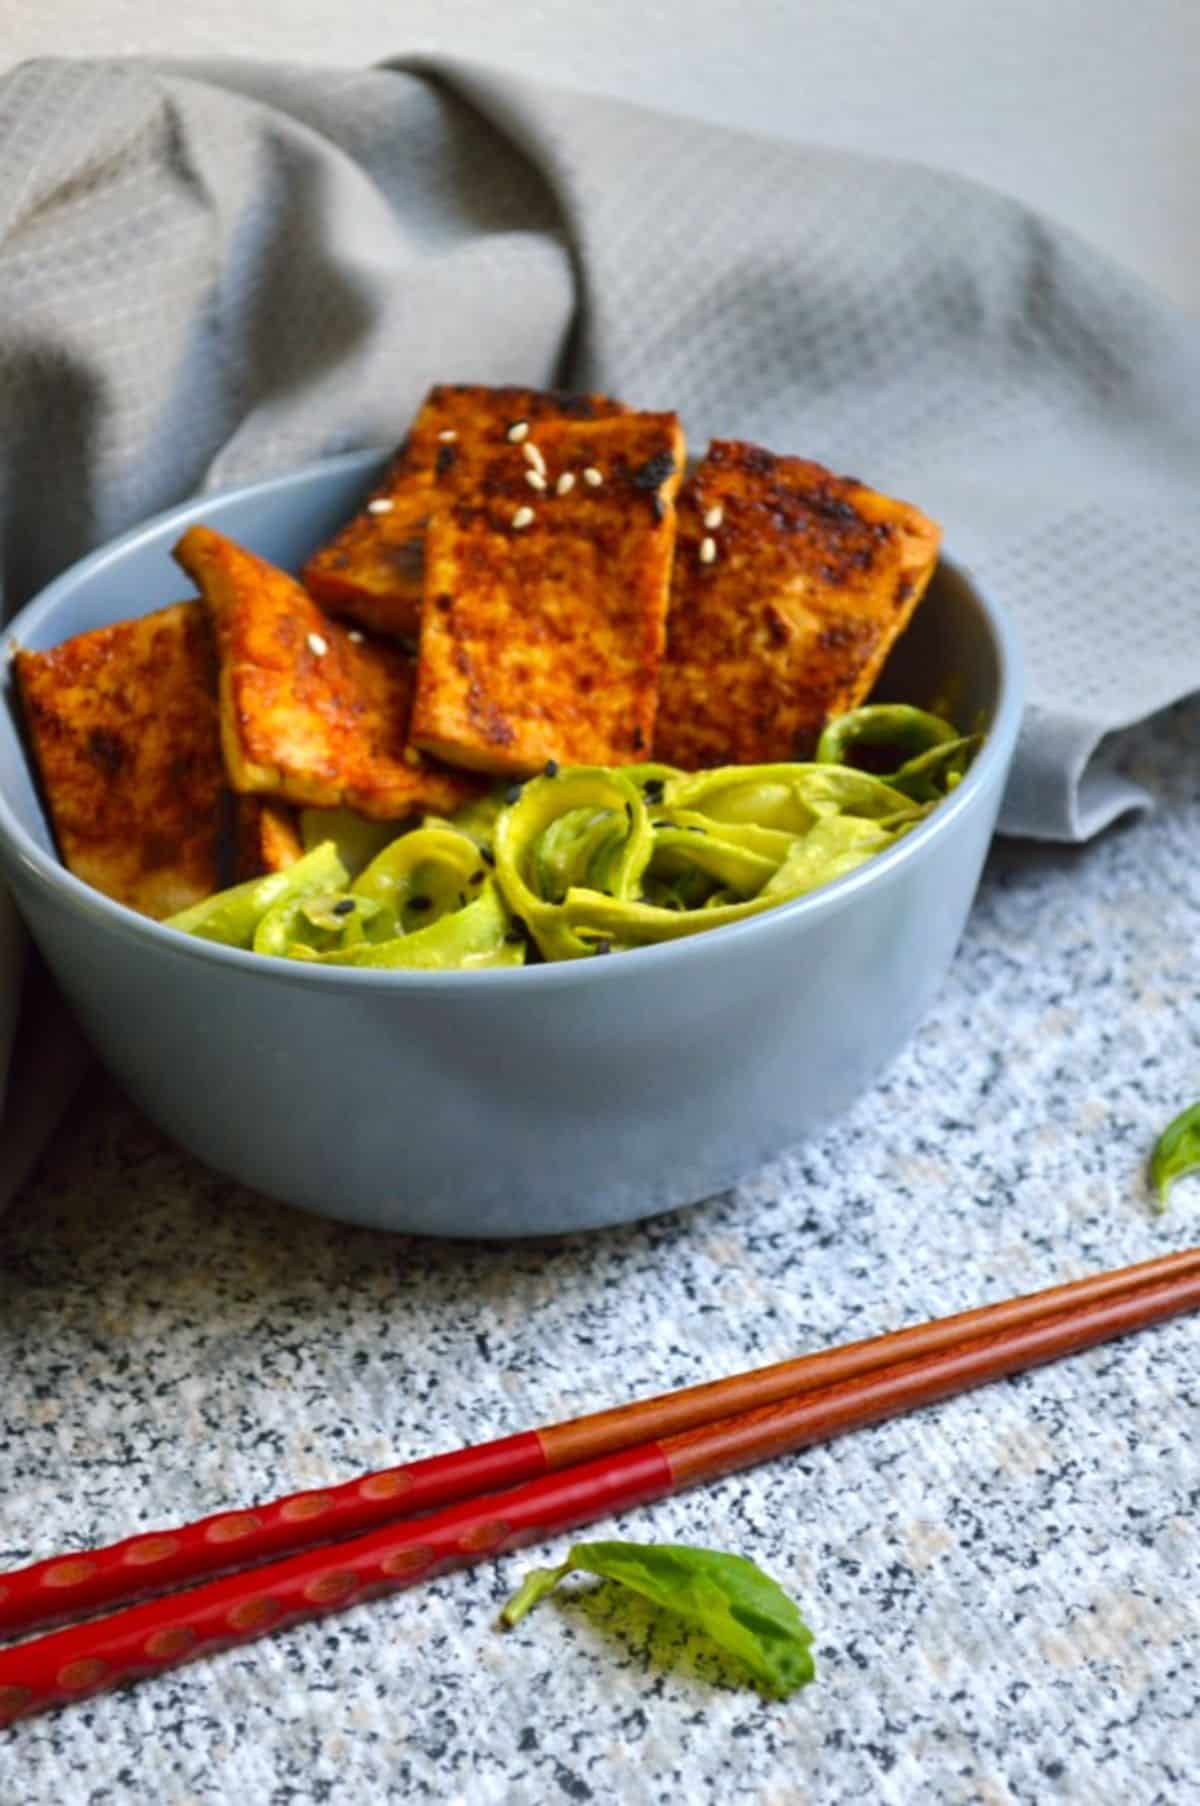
<point x="150" y="1548"/>
<point x="308" y="1505"/>
<point x="386" y="1486"/>
<point x="70" y="1572"/>
<point x="173" y="1640"/>
<point x="480" y="1538"/>
<point x="327" y="1589"/>
<point x="14" y="1699"/>
<point x="86" y="1672"/>
<point x="408" y="1561"/>
<point x="254" y="1614"/>
<point x="229" y="1529"/>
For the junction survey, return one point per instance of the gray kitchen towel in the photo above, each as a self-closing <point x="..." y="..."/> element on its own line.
<point x="209" y="272"/>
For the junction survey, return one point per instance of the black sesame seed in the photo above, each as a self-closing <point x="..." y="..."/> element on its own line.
<point x="550" y="768"/>
<point x="487" y="855"/>
<point x="652" y="790"/>
<point x="513" y="793"/>
<point x="420" y="904"/>
<point x="477" y="877"/>
<point x="345" y="906"/>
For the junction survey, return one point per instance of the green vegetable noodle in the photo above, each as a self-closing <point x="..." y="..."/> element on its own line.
<point x="1176" y="1152"/>
<point x="729" y="1598"/>
<point x="593" y="860"/>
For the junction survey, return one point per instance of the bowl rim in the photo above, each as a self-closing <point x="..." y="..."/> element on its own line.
<point x="49" y="874"/>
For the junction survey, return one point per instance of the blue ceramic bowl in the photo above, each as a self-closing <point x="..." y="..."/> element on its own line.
<point x="514" y="1102"/>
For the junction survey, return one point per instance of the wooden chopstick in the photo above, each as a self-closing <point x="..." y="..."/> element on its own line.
<point x="70" y="1585"/>
<point x="151" y="1637"/>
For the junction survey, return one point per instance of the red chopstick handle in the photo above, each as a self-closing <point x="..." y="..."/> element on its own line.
<point x="66" y="1586"/>
<point x="145" y="1639"/>
<point x="69" y="1586"/>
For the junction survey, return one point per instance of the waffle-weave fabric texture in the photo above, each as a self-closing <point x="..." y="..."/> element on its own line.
<point x="213" y="273"/>
<point x="210" y="273"/>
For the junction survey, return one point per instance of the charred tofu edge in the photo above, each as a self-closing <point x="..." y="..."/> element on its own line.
<point x="169" y="852"/>
<point x="865" y="559"/>
<point x="628" y="469"/>
<point x="267" y="835"/>
<point x="371" y="570"/>
<point x="338" y="712"/>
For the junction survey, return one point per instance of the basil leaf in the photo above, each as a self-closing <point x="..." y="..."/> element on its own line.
<point x="731" y="1599"/>
<point x="1176" y="1152"/>
<point x="536" y="1584"/>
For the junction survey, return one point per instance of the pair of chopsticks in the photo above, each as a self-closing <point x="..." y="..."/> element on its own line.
<point x="314" y="1552"/>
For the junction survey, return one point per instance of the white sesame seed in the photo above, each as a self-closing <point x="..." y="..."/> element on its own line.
<point x="708" y="551"/>
<point x="533" y="456"/>
<point x="592" y="477"/>
<point x="412" y="757"/>
<point x="522" y="518"/>
<point x="565" y="483"/>
<point x="535" y="479"/>
<point x="448" y="435"/>
<point x="714" y="516"/>
<point x="355" y="635"/>
<point x="380" y="505"/>
<point x="517" y="431"/>
<point x="317" y="646"/>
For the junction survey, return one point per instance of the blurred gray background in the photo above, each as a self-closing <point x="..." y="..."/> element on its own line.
<point x="1089" y="109"/>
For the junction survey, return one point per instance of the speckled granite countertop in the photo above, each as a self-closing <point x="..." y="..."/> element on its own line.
<point x="1004" y="1589"/>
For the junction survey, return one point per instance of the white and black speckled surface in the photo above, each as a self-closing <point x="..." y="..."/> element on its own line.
<point x="1003" y="1589"/>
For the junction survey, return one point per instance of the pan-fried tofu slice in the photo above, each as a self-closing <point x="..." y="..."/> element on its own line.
<point x="268" y="837"/>
<point x="123" y="722"/>
<point x="310" y="711"/>
<point x="790" y="586"/>
<point x="372" y="570"/>
<point x="543" y="621"/>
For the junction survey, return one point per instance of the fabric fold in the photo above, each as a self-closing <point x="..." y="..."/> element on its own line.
<point x="213" y="271"/>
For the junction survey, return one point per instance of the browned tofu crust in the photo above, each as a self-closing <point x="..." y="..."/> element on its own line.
<point x="123" y="723"/>
<point x="267" y="837"/>
<point x="542" y="629"/>
<point x="372" y="571"/>
<point x="310" y="711"/>
<point x="789" y="587"/>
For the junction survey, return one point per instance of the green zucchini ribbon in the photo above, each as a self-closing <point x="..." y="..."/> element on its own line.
<point x="592" y="860"/>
